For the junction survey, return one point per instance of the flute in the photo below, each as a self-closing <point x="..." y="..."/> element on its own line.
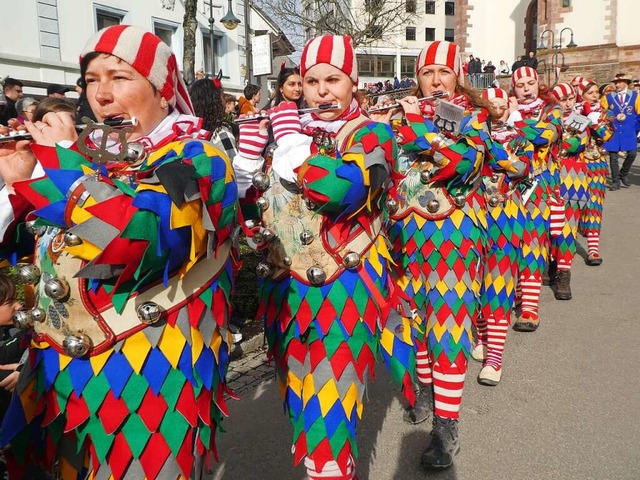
<point x="110" y="122"/>
<point x="420" y="100"/>
<point x="301" y="111"/>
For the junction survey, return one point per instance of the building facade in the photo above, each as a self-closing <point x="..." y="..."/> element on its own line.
<point x="47" y="37"/>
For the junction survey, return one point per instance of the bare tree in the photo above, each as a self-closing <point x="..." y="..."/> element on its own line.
<point x="368" y="22"/>
<point x="189" y="25"/>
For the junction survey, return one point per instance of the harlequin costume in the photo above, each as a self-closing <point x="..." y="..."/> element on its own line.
<point x="127" y="371"/>
<point x="324" y="289"/>
<point x="573" y="188"/>
<point x="506" y="222"/>
<point x="438" y="231"/>
<point x="599" y="132"/>
<point x="541" y="124"/>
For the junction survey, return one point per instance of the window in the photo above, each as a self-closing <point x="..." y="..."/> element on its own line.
<point x="385" y="66"/>
<point x="165" y="32"/>
<point x="410" y="33"/>
<point x="411" y="6"/>
<point x="210" y="61"/>
<point x="449" y="8"/>
<point x="107" y="17"/>
<point x="448" y="34"/>
<point x="429" y="34"/>
<point x="375" y="31"/>
<point x="407" y="66"/>
<point x="365" y="66"/>
<point x="430" y="7"/>
<point x="566" y="3"/>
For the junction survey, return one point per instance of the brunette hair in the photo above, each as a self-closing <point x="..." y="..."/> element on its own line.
<point x="7" y="289"/>
<point x="53" y="104"/>
<point x="284" y="74"/>
<point x="206" y="98"/>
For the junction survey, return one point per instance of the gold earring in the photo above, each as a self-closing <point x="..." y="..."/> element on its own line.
<point x="163" y="103"/>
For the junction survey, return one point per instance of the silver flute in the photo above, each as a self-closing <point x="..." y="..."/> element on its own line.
<point x="109" y="122"/>
<point x="301" y="111"/>
<point x="396" y="105"/>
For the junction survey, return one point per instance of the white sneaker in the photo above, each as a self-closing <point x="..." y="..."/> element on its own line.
<point x="479" y="352"/>
<point x="489" y="376"/>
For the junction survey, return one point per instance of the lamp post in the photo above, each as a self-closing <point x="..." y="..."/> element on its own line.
<point x="229" y="21"/>
<point x="556" y="51"/>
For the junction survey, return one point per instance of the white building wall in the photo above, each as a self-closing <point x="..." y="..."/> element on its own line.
<point x="586" y="19"/>
<point x="628" y="32"/>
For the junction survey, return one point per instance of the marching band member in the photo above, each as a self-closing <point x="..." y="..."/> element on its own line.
<point x="324" y="289"/>
<point x="133" y="273"/>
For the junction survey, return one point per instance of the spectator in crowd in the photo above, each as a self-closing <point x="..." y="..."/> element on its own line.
<point x="83" y="109"/>
<point x="531" y="61"/>
<point x="230" y="102"/>
<point x="288" y="87"/>
<point x="503" y="69"/>
<point x="518" y="63"/>
<point x="56" y="90"/>
<point x="25" y="108"/>
<point x="489" y="68"/>
<point x="53" y="104"/>
<point x="247" y="103"/>
<point x="12" y="90"/>
<point x="396" y="83"/>
<point x="474" y="70"/>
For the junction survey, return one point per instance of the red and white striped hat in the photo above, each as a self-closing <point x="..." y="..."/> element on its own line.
<point x="562" y="90"/>
<point x="149" y="55"/>
<point x="441" y="53"/>
<point x="491" y="93"/>
<point x="523" y="72"/>
<point x="335" y="50"/>
<point x="577" y="80"/>
<point x="584" y="84"/>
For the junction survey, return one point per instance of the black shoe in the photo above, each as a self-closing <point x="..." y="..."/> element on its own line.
<point x="423" y="408"/>
<point x="625" y="181"/>
<point x="444" y="445"/>
<point x="614" y="186"/>
<point x="563" y="286"/>
<point x="549" y="276"/>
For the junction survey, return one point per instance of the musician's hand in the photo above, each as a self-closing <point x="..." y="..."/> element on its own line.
<point x="253" y="138"/>
<point x="54" y="127"/>
<point x="16" y="162"/>
<point x="285" y="120"/>
<point x="384" y="116"/>
<point x="513" y="104"/>
<point x="410" y="104"/>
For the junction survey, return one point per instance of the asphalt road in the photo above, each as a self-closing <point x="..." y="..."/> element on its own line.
<point x="568" y="406"/>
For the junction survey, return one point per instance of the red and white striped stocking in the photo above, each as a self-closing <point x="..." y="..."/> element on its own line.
<point x="447" y="391"/>
<point x="593" y="243"/>
<point x="496" y="338"/>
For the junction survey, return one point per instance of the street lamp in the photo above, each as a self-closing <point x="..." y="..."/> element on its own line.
<point x="230" y="22"/>
<point x="542" y="46"/>
<point x="556" y="51"/>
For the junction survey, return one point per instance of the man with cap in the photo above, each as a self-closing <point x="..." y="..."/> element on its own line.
<point x="57" y="91"/>
<point x="624" y="104"/>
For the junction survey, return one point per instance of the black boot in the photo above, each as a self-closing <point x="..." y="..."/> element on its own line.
<point x="563" y="285"/>
<point x="423" y="408"/>
<point x="444" y="444"/>
<point x="549" y="276"/>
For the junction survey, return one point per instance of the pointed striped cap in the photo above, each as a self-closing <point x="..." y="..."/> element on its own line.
<point x="523" y="72"/>
<point x="562" y="90"/>
<point x="491" y="93"/>
<point x="441" y="53"/>
<point x="149" y="55"/>
<point x="335" y="50"/>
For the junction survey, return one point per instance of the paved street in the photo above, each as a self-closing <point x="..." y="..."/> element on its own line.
<point x="568" y="406"/>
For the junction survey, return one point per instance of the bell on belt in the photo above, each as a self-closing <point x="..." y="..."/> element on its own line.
<point x="77" y="345"/>
<point x="433" y="206"/>
<point x="264" y="270"/>
<point x="268" y="235"/>
<point x="392" y="205"/>
<point x="460" y="200"/>
<point x="310" y="205"/>
<point x="28" y="273"/>
<point x="33" y="230"/>
<point x="56" y="288"/>
<point x="306" y="237"/>
<point x="262" y="203"/>
<point x="250" y="223"/>
<point x="494" y="178"/>
<point x="425" y="176"/>
<point x="351" y="260"/>
<point x="494" y="200"/>
<point x="135" y="153"/>
<point x="149" y="312"/>
<point x="71" y="239"/>
<point x="261" y="181"/>
<point x="316" y="275"/>
<point x="38" y="315"/>
<point x="22" y="319"/>
<point x="287" y="261"/>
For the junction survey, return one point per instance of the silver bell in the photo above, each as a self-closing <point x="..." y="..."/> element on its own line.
<point x="310" y="205"/>
<point x="268" y="235"/>
<point x="261" y="181"/>
<point x="425" y="176"/>
<point x="433" y="206"/>
<point x="56" y="288"/>
<point x="33" y="229"/>
<point x="28" y="273"/>
<point x="351" y="260"/>
<point x="494" y="178"/>
<point x="460" y="200"/>
<point x="22" y="319"/>
<point x="392" y="205"/>
<point x="149" y="312"/>
<point x="38" y="315"/>
<point x="135" y="153"/>
<point x="71" y="239"/>
<point x="77" y="345"/>
<point x="316" y="276"/>
<point x="287" y="261"/>
<point x="250" y="223"/>
<point x="494" y="200"/>
<point x="306" y="237"/>
<point x="262" y="203"/>
<point x="264" y="270"/>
